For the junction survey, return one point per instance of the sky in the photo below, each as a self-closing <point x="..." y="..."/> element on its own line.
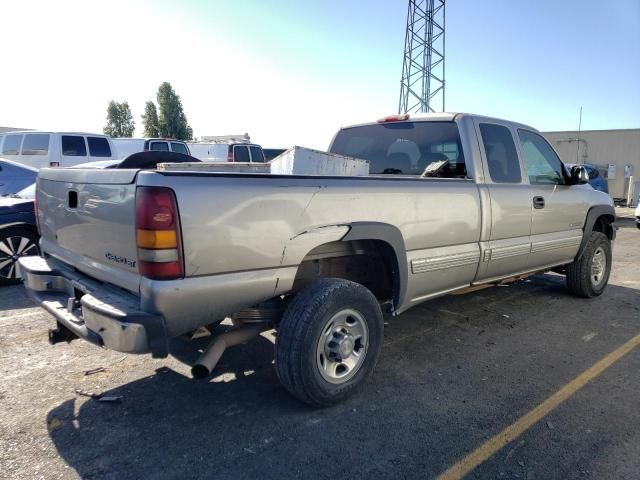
<point x="292" y="71"/>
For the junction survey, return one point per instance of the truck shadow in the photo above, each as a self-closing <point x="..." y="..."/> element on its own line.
<point x="15" y="297"/>
<point x="244" y="425"/>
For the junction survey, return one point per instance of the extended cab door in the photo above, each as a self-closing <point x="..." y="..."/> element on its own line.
<point x="559" y="211"/>
<point x="507" y="250"/>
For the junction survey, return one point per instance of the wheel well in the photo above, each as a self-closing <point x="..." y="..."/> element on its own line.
<point x="371" y="263"/>
<point x="603" y="224"/>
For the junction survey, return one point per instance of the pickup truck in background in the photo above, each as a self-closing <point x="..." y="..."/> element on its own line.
<point x="227" y="152"/>
<point x="128" y="146"/>
<point x="134" y="258"/>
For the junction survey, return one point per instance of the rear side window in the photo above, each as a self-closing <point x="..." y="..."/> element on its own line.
<point x="179" y="148"/>
<point x="256" y="154"/>
<point x="542" y="163"/>
<point x="501" y="153"/>
<point x="159" y="146"/>
<point x="240" y="154"/>
<point x="11" y="145"/>
<point x="99" y="147"/>
<point x="35" y="144"/>
<point x="73" y="146"/>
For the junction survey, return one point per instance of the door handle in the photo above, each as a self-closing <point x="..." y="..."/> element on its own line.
<point x="538" y="202"/>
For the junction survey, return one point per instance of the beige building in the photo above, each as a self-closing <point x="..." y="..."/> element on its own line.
<point x="616" y="154"/>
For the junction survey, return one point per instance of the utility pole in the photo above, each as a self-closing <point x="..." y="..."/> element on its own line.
<point x="422" y="83"/>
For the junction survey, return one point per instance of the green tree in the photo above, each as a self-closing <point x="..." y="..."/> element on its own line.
<point x="119" y="120"/>
<point x="172" y="121"/>
<point x="150" y="120"/>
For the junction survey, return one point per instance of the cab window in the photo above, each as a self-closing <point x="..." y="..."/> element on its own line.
<point x="542" y="164"/>
<point x="405" y="148"/>
<point x="500" y="150"/>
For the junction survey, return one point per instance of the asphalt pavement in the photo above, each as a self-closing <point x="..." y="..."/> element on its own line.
<point x="456" y="373"/>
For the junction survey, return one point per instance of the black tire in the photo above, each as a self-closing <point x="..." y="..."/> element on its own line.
<point x="580" y="277"/>
<point x="14" y="243"/>
<point x="304" y="325"/>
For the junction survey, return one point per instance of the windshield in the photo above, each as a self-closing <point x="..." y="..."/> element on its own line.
<point x="406" y="148"/>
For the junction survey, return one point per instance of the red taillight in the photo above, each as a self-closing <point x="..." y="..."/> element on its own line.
<point x="230" y="155"/>
<point x="158" y="234"/>
<point x="394" y="118"/>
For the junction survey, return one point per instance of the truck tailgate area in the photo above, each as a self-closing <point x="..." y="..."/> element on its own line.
<point x="89" y="222"/>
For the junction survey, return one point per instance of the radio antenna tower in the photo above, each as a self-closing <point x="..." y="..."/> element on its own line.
<point x="422" y="84"/>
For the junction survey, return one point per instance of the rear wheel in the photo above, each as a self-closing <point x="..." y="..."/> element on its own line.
<point x="588" y="276"/>
<point x="329" y="341"/>
<point x="15" y="242"/>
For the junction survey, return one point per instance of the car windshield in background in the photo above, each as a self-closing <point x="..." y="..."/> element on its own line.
<point x="405" y="148"/>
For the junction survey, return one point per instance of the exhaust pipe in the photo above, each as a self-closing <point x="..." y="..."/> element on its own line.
<point x="211" y="356"/>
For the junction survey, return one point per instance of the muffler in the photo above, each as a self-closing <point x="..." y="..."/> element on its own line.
<point x="211" y="356"/>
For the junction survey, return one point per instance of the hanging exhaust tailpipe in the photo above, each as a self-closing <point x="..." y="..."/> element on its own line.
<point x="210" y="357"/>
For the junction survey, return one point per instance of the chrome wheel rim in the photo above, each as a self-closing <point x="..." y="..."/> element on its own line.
<point x="598" y="267"/>
<point x="11" y="249"/>
<point x="342" y="346"/>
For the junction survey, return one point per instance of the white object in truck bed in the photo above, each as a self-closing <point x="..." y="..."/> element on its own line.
<point x="295" y="161"/>
<point x="305" y="161"/>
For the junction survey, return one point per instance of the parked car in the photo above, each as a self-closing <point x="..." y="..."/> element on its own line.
<point x="227" y="152"/>
<point x="638" y="215"/>
<point x="271" y="153"/>
<point x="55" y="149"/>
<point x="135" y="258"/>
<point x="18" y="232"/>
<point x="129" y="146"/>
<point x="596" y="180"/>
<point x="15" y="176"/>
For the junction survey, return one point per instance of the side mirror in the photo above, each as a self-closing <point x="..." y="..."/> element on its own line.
<point x="579" y="175"/>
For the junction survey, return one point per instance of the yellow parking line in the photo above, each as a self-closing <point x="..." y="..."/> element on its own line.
<point x="513" y="431"/>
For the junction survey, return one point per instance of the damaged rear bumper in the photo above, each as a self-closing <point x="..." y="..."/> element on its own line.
<point x="96" y="312"/>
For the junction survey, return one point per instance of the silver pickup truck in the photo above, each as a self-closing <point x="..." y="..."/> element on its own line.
<point x="133" y="258"/>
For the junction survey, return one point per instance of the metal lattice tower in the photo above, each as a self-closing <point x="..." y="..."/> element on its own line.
<point x="422" y="84"/>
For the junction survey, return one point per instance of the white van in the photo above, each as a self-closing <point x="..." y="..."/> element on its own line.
<point x="129" y="146"/>
<point x="55" y="149"/>
<point x="227" y="152"/>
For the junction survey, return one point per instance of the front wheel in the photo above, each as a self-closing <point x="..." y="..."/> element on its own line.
<point x="329" y="341"/>
<point x="588" y="276"/>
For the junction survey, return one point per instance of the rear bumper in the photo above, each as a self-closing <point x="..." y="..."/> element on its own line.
<point x="94" y="311"/>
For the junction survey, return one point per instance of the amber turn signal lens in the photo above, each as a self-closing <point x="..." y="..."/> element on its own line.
<point x="156" y="238"/>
